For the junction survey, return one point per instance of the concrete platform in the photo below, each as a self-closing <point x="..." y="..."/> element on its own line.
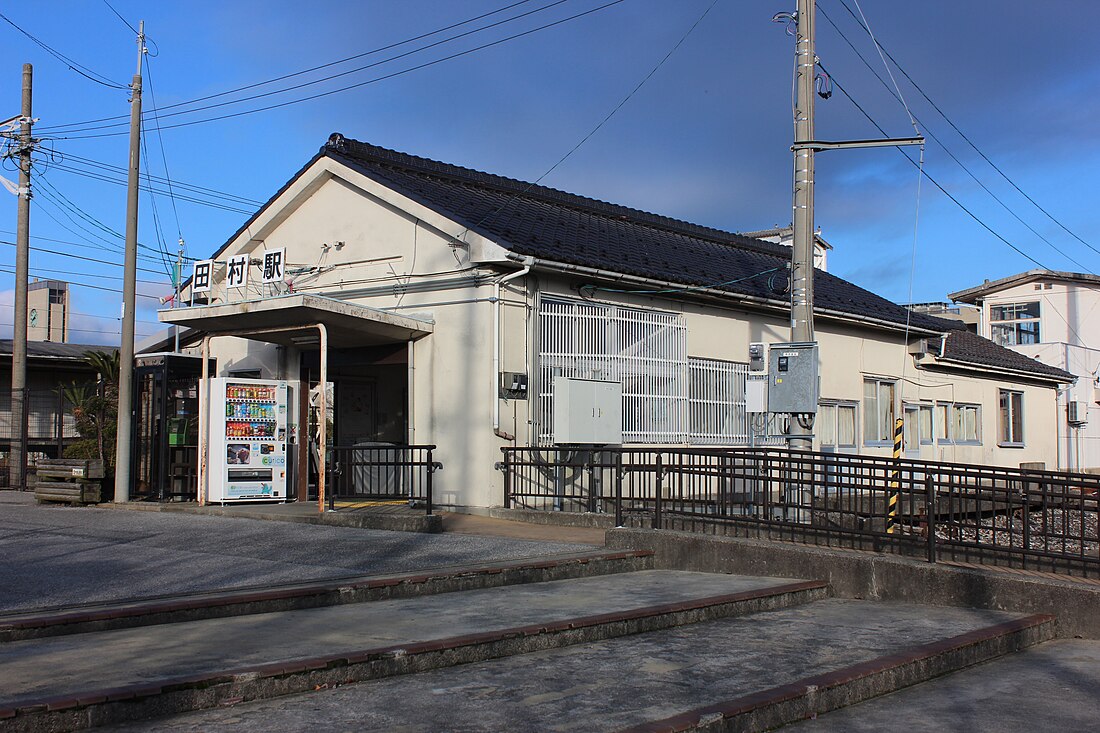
<point x="613" y="684"/>
<point x="106" y="676"/>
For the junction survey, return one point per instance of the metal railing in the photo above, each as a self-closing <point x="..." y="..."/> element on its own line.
<point x="381" y="474"/>
<point x="1039" y="520"/>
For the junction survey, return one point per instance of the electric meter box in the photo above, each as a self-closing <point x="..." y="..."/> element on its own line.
<point x="758" y="358"/>
<point x="793" y="378"/>
<point x="587" y="412"/>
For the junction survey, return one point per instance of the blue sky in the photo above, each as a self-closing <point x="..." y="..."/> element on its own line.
<point x="706" y="139"/>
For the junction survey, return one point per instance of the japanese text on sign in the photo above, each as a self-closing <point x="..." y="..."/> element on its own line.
<point x="274" y="261"/>
<point x="236" y="273"/>
<point x="201" y="276"/>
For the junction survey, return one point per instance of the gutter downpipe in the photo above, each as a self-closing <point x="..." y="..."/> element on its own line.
<point x="527" y="263"/>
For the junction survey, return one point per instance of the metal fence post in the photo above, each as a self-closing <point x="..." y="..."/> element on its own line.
<point x="430" y="480"/>
<point x="507" y="479"/>
<point x="657" y="498"/>
<point x="619" y="489"/>
<point x="930" y="514"/>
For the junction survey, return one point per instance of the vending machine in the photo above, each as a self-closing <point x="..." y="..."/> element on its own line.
<point x="247" y="443"/>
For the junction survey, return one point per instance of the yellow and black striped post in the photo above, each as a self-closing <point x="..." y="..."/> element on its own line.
<point x="895" y="479"/>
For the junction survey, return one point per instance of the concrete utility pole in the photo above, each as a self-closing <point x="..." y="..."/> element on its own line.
<point x="17" y="476"/>
<point x="129" y="291"/>
<point x="802" y="251"/>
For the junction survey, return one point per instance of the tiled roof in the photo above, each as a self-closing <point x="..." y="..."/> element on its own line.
<point x="989" y="287"/>
<point x="561" y="227"/>
<point x="970" y="348"/>
<point x="54" y="350"/>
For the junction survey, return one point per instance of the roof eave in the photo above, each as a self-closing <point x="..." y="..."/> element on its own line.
<point x="930" y="360"/>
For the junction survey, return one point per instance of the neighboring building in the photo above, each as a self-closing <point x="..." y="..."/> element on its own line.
<point x="50" y="424"/>
<point x="785" y="236"/>
<point x="966" y="314"/>
<point x="453" y="298"/>
<point x="48" y="311"/>
<point x="1053" y="317"/>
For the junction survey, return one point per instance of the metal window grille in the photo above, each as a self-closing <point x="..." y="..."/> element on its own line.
<point x="644" y="350"/>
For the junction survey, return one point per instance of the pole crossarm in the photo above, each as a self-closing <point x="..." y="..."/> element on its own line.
<point x="887" y="142"/>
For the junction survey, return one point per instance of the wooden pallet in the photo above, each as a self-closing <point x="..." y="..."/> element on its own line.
<point x="68" y="480"/>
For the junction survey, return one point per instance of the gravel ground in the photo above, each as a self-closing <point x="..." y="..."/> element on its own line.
<point x="57" y="556"/>
<point x="1068" y="531"/>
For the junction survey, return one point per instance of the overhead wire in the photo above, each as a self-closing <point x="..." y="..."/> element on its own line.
<point x="936" y="183"/>
<point x="971" y="143"/>
<point x="69" y="63"/>
<point x="947" y="150"/>
<point x="502" y="207"/>
<point x="329" y="64"/>
<point x="357" y="85"/>
<point x="71" y="256"/>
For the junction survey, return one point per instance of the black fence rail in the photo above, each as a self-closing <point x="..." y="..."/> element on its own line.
<point x="381" y="474"/>
<point x="1038" y="520"/>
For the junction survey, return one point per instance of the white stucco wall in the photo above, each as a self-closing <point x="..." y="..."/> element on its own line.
<point x="349" y="238"/>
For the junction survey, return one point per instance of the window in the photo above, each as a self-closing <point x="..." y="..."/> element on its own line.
<point x="1012" y="418"/>
<point x="878" y="412"/>
<point x="1014" y="323"/>
<point x="918" y="426"/>
<point x="958" y="423"/>
<point x="836" y="425"/>
<point x="644" y="350"/>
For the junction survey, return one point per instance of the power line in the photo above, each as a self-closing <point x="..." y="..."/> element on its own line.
<point x="69" y="63"/>
<point x="71" y="256"/>
<point x="936" y="183"/>
<point x="117" y="15"/>
<point x="358" y="84"/>
<point x="92" y="163"/>
<point x="89" y="285"/>
<point x="163" y="155"/>
<point x="70" y="243"/>
<point x="309" y="70"/>
<point x="964" y="136"/>
<point x="946" y="149"/>
<point x="147" y="188"/>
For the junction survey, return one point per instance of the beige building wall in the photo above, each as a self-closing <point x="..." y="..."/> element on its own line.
<point x="349" y="238"/>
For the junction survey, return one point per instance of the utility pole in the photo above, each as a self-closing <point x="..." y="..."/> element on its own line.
<point x="802" y="250"/>
<point x="124" y="435"/>
<point x="17" y="475"/>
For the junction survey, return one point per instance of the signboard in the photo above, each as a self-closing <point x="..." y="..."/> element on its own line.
<point x="274" y="266"/>
<point x="202" y="275"/>
<point x="236" y="272"/>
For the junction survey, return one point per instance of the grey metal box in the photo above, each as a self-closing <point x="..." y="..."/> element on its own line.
<point x="792" y="378"/>
<point x="587" y="412"/>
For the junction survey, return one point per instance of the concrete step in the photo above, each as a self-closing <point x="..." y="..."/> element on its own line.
<point x="1050" y="687"/>
<point x="296" y="596"/>
<point x="97" y="678"/>
<point x="745" y="674"/>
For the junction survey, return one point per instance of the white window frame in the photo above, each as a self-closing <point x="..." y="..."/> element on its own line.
<point x="829" y="412"/>
<point x="868" y="411"/>
<point x="955" y="412"/>
<point x="1007" y="412"/>
<point x="1007" y="331"/>
<point x="717" y="406"/>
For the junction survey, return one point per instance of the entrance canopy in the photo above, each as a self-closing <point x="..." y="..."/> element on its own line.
<point x="296" y="317"/>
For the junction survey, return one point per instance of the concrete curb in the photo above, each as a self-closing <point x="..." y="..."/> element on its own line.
<point x="194" y="607"/>
<point x="873" y="576"/>
<point x="166" y="697"/>
<point x="821" y="693"/>
<point x="394" y="522"/>
<point x="595" y="520"/>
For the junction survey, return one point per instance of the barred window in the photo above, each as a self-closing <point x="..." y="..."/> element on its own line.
<point x="644" y="350"/>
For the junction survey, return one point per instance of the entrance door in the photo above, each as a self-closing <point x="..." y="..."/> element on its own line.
<point x="356" y="411"/>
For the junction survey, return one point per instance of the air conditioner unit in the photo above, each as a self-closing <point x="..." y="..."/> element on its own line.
<point x="1077" y="412"/>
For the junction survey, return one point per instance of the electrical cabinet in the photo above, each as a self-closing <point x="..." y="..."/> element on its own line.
<point x="793" y="378"/>
<point x="587" y="412"/>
